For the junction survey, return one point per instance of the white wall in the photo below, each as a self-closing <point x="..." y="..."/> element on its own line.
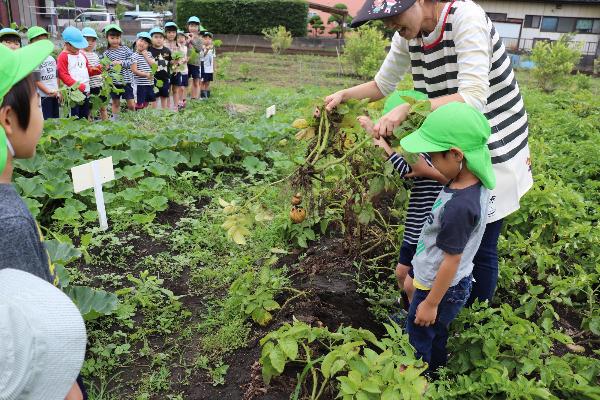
<point x="518" y="9"/>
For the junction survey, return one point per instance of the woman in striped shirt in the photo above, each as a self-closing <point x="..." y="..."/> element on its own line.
<point x="455" y="54"/>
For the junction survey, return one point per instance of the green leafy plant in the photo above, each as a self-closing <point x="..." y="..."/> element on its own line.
<point x="554" y="61"/>
<point x="365" y="50"/>
<point x="364" y="366"/>
<point x="280" y="38"/>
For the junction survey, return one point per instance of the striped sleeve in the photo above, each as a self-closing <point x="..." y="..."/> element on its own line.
<point x="400" y="164"/>
<point x="395" y="65"/>
<point x="473" y="46"/>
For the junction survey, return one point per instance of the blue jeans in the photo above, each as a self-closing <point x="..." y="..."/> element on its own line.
<point x="430" y="341"/>
<point x="485" y="268"/>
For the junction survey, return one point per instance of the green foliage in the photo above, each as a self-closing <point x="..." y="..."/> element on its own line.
<point x="317" y="25"/>
<point x="254" y="294"/>
<point x="363" y="366"/>
<point x="364" y="51"/>
<point x="554" y="61"/>
<point x="280" y="38"/>
<point x="500" y="355"/>
<point x="247" y="17"/>
<point x="338" y="20"/>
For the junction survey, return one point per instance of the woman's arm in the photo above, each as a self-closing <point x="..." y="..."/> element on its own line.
<point x="395" y="65"/>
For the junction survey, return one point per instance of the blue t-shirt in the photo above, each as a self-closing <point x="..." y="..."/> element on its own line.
<point x="455" y="225"/>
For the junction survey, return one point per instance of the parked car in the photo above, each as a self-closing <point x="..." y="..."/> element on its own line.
<point x="148" y="23"/>
<point x="94" y="19"/>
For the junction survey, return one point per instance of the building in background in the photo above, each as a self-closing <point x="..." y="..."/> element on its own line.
<point x="521" y="24"/>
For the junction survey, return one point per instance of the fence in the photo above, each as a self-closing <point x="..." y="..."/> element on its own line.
<point x="589" y="50"/>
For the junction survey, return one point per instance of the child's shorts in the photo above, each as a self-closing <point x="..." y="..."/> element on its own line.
<point x="50" y="107"/>
<point x="164" y="90"/>
<point x="95" y="91"/>
<point x="145" y="94"/>
<point x="194" y="71"/>
<point x="173" y="79"/>
<point x="207" y="77"/>
<point x="126" y="94"/>
<point x="407" y="252"/>
<point x="182" y="80"/>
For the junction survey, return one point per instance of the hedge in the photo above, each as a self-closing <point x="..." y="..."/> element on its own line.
<point x="247" y="17"/>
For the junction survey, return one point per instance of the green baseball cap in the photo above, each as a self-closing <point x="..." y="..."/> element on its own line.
<point x="456" y="125"/>
<point x="14" y="66"/>
<point x="112" y="27"/>
<point x="395" y="99"/>
<point x="36" y="31"/>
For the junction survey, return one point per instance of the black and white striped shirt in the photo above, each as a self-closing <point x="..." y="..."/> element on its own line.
<point x="424" y="192"/>
<point x="142" y="66"/>
<point x="123" y="54"/>
<point x="464" y="54"/>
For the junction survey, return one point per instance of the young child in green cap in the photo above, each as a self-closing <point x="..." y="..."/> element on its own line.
<point x="455" y="136"/>
<point x="21" y="124"/>
<point x="426" y="185"/>
<point x="47" y="86"/>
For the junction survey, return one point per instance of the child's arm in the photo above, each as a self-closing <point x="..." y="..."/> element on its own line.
<point x="45" y="89"/>
<point x="148" y="57"/>
<point x="62" y="64"/>
<point x="137" y="72"/>
<point x="92" y="71"/>
<point x="427" y="310"/>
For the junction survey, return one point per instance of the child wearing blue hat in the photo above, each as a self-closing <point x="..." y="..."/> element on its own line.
<point x="74" y="68"/>
<point x="141" y="62"/>
<point x="195" y="50"/>
<point x="96" y="81"/>
<point x="10" y="38"/>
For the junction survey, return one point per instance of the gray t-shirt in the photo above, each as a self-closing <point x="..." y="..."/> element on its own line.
<point x="21" y="245"/>
<point x="454" y="226"/>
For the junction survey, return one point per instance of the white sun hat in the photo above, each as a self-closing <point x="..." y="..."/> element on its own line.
<point x="42" y="338"/>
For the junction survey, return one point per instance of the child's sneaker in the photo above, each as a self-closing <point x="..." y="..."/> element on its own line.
<point x="180" y="106"/>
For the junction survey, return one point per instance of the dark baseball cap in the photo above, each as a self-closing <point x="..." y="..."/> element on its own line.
<point x="379" y="9"/>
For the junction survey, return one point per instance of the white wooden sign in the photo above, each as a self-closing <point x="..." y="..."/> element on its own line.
<point x="271" y="111"/>
<point x="93" y="175"/>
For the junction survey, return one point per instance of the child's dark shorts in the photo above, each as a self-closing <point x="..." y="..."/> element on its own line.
<point x="194" y="71"/>
<point x="207" y="77"/>
<point x="407" y="252"/>
<point x="145" y="94"/>
<point x="164" y="90"/>
<point x="126" y="94"/>
<point x="182" y="79"/>
<point x="95" y="91"/>
<point x="173" y="79"/>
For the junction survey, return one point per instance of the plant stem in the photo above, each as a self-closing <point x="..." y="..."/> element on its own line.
<point x="345" y="156"/>
<point x="323" y="141"/>
<point x="318" y="143"/>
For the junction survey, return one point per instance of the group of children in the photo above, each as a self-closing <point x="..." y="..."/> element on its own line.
<point x="159" y="68"/>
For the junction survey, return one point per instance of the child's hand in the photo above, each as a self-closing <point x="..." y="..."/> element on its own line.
<point x="366" y="123"/>
<point x="426" y="314"/>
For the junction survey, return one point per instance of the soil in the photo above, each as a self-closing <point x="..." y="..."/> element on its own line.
<point x="331" y="300"/>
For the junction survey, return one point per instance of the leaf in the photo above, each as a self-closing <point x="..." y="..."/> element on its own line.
<point x="171" y="157"/>
<point x="140" y="157"/>
<point x="300" y="123"/>
<point x="158" y="203"/>
<point x="31" y="187"/>
<point x="270" y="305"/>
<point x="306" y="134"/>
<point x="277" y="359"/>
<point x="92" y="303"/>
<point x="327" y="363"/>
<point x="218" y="149"/>
<point x="60" y="252"/>
<point x="289" y="347"/>
<point x="253" y="165"/>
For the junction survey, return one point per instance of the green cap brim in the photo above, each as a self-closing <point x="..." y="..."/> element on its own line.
<point x="416" y="143"/>
<point x="21" y="63"/>
<point x="479" y="163"/>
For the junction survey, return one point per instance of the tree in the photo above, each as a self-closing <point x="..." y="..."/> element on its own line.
<point x="554" y="61"/>
<point x="317" y="25"/>
<point x="338" y="20"/>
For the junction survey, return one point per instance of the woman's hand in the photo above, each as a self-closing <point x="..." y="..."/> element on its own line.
<point x="334" y="100"/>
<point x="391" y="120"/>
